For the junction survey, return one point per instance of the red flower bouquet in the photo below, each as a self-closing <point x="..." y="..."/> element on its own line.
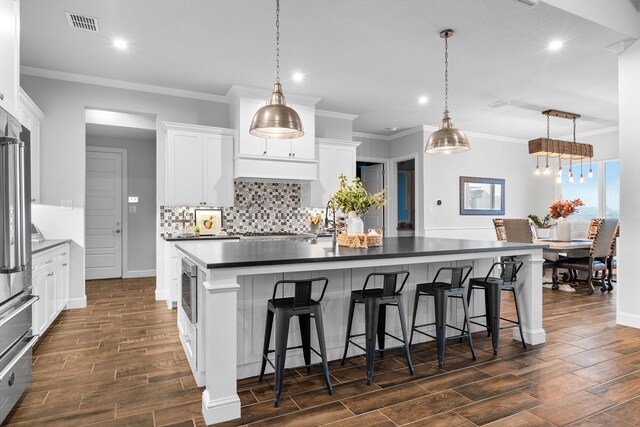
<point x="564" y="208"/>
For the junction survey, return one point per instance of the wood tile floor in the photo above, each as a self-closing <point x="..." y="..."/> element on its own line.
<point x="119" y="362"/>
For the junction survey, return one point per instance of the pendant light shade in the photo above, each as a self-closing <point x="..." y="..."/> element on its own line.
<point x="276" y="119"/>
<point x="447" y="139"/>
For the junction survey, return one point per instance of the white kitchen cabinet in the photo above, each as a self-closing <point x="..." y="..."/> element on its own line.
<point x="31" y="116"/>
<point x="172" y="274"/>
<point x="51" y="283"/>
<point x="260" y="158"/>
<point x="335" y="157"/>
<point x="10" y="48"/>
<point x="199" y="165"/>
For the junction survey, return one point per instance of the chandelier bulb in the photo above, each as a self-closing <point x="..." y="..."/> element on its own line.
<point x="547" y="171"/>
<point x="559" y="179"/>
<point x="559" y="171"/>
<point x="581" y="178"/>
<point x="537" y="171"/>
<point x="590" y="174"/>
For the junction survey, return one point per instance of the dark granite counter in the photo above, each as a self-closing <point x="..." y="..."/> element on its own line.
<point x="46" y="245"/>
<point x="260" y="253"/>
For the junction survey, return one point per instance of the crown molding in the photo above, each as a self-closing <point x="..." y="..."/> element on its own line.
<point x="237" y="91"/>
<point x="601" y="131"/>
<point x="338" y="142"/>
<point x="365" y="135"/>
<point x="120" y="84"/>
<point x="28" y="104"/>
<point x="167" y="126"/>
<point x="335" y="115"/>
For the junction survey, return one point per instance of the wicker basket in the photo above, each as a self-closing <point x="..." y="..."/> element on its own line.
<point x="359" y="241"/>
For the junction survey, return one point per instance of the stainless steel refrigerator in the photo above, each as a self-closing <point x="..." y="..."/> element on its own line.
<point x="16" y="338"/>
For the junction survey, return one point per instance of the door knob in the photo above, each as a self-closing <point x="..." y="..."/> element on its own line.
<point x="117" y="230"/>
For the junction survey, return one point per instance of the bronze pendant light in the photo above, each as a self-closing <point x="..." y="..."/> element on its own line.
<point x="447" y="139"/>
<point x="276" y="119"/>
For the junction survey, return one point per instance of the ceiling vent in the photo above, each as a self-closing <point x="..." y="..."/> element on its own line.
<point x="528" y="3"/>
<point x="499" y="104"/>
<point x="82" y="22"/>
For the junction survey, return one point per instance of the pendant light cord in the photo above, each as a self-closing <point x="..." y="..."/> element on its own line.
<point x="278" y="41"/>
<point x="446" y="73"/>
<point x="547" y="144"/>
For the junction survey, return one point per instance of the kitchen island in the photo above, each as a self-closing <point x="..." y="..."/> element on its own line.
<point x="238" y="279"/>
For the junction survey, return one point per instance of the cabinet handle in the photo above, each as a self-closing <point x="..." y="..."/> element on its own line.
<point x="1" y="96"/>
<point x="64" y="265"/>
<point x="50" y="274"/>
<point x="294" y="154"/>
<point x="264" y="153"/>
<point x="33" y="200"/>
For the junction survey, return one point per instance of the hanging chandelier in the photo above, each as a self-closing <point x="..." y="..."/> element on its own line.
<point x="560" y="149"/>
<point x="447" y="139"/>
<point x="276" y="119"/>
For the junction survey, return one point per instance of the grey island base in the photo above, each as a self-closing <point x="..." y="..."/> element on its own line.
<point x="238" y="280"/>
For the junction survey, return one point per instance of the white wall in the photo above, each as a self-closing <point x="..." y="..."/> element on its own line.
<point x="141" y="182"/>
<point x="334" y="128"/>
<point x="63" y="149"/>
<point x="371" y="147"/>
<point x="628" y="248"/>
<point x="488" y="159"/>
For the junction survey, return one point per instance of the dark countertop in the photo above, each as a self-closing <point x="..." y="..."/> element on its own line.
<point x="187" y="238"/>
<point x="46" y="245"/>
<point x="261" y="253"/>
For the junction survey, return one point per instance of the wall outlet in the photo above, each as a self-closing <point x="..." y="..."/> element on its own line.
<point x="66" y="204"/>
<point x="133" y="199"/>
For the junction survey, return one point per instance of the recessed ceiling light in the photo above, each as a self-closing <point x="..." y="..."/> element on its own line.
<point x="555" y="45"/>
<point x="423" y="100"/>
<point x="298" y="77"/>
<point x="120" y="44"/>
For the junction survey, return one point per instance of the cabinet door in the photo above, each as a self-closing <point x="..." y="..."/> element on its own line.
<point x="184" y="168"/>
<point x="62" y="283"/>
<point x="51" y="284"/>
<point x="39" y="311"/>
<point x="344" y="163"/>
<point x="322" y="189"/>
<point x="217" y="170"/>
<point x="304" y="147"/>
<point x="9" y="43"/>
<point x="247" y="143"/>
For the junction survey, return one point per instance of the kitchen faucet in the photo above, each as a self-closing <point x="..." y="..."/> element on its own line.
<point x="334" y="230"/>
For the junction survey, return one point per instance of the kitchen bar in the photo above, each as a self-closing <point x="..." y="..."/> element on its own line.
<point x="238" y="280"/>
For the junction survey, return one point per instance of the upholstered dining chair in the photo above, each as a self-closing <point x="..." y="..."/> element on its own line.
<point x="498" y="224"/>
<point x="598" y="254"/>
<point x="518" y="230"/>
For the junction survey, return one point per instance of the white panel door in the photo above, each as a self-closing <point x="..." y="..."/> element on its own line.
<point x="184" y="171"/>
<point x="373" y="181"/>
<point x="103" y="215"/>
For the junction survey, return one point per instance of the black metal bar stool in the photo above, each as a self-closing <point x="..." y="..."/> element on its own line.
<point x="441" y="292"/>
<point x="303" y="306"/>
<point x="493" y="288"/>
<point x="375" y="302"/>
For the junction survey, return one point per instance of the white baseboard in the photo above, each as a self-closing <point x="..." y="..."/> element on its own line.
<point x="628" y="319"/>
<point x="221" y="409"/>
<point x="139" y="273"/>
<point x="79" y="302"/>
<point x="161" y="295"/>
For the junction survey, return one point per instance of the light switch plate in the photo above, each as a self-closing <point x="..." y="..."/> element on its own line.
<point x="66" y="204"/>
<point x="133" y="199"/>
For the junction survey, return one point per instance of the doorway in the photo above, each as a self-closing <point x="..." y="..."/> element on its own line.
<point x="372" y="176"/>
<point x="120" y="195"/>
<point x="406" y="200"/>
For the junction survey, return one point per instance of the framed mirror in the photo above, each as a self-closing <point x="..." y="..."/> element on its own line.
<point x="481" y="196"/>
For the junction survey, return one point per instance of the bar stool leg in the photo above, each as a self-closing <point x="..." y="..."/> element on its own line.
<point x="413" y="319"/>
<point x="382" y="320"/>
<point x="403" y="325"/>
<point x="352" y="305"/>
<point x="305" y="333"/>
<point x="323" y="348"/>
<point x="441" y="324"/>
<point x="492" y="291"/>
<point x="515" y="300"/>
<point x="487" y="309"/>
<point x="371" y="323"/>
<point x="267" y="338"/>
<point x="466" y="322"/>
<point x="282" y="335"/>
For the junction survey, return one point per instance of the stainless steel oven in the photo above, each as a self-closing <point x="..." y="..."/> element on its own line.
<point x="190" y="290"/>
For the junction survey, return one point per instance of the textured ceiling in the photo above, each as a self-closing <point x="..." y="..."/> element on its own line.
<point x="373" y="58"/>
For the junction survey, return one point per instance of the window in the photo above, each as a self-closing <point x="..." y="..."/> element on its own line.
<point x="600" y="194"/>
<point x="612" y="189"/>
<point x="588" y="191"/>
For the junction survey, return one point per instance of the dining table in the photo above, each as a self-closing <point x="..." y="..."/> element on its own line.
<point x="554" y="249"/>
